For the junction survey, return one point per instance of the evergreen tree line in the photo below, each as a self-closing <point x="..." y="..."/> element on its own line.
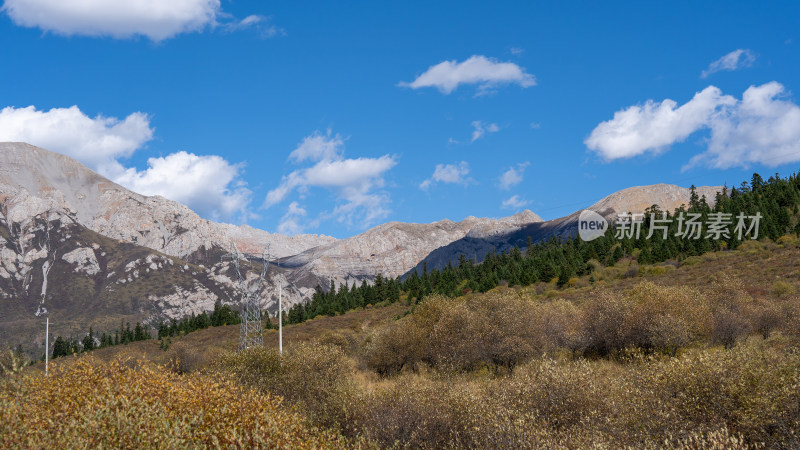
<point x="123" y="335"/>
<point x="345" y="298"/>
<point x="776" y="200"/>
<point x="221" y="315"/>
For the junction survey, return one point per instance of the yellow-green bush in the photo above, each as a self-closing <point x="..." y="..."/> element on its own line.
<point x="665" y="318"/>
<point x="782" y="288"/>
<point x="710" y="398"/>
<point x="93" y="405"/>
<point x="492" y="330"/>
<point x="315" y="377"/>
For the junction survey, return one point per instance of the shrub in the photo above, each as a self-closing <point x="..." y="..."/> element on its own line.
<point x="11" y="362"/>
<point x="316" y="377"/>
<point x="93" y="405"/>
<point x="782" y="288"/>
<point x="728" y="327"/>
<point x="603" y="316"/>
<point x="766" y="317"/>
<point x="345" y="340"/>
<point x="455" y="335"/>
<point x="665" y="318"/>
<point x="557" y="324"/>
<point x="398" y="346"/>
<point x="731" y="304"/>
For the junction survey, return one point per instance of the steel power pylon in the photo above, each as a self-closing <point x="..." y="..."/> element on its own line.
<point x="250" y="334"/>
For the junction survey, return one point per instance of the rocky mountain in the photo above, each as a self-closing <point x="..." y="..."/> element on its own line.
<point x="116" y="212"/>
<point x="90" y="252"/>
<point x="393" y="248"/>
<point x="631" y="200"/>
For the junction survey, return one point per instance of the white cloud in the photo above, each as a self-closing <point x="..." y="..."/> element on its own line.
<point x="318" y="147"/>
<point x="290" y="222"/>
<point x="97" y="142"/>
<point x="487" y="73"/>
<point x="257" y="22"/>
<point x="536" y="125"/>
<point x="355" y="182"/>
<point x="156" y="19"/>
<point x="763" y="127"/>
<point x="209" y="185"/>
<point x="514" y="202"/>
<point x="517" y="50"/>
<point x="737" y="59"/>
<point x="448" y="173"/>
<point x="654" y="125"/>
<point x="513" y="175"/>
<point x="480" y="129"/>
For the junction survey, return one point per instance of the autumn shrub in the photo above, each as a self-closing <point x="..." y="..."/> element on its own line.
<point x="315" y="377"/>
<point x="790" y="316"/>
<point x="456" y="335"/>
<point x="603" y="316"/>
<point x="398" y="346"/>
<point x="782" y="288"/>
<point x="788" y="241"/>
<point x="752" y="247"/>
<point x="558" y="325"/>
<point x="562" y="394"/>
<point x="417" y="412"/>
<point x="11" y="362"/>
<point x="765" y="317"/>
<point x="752" y="389"/>
<point x="728" y="327"/>
<point x="345" y="340"/>
<point x="185" y="358"/>
<point x="502" y="323"/>
<point x="665" y="318"/>
<point x="732" y="310"/>
<point x="114" y="405"/>
<point x="746" y="397"/>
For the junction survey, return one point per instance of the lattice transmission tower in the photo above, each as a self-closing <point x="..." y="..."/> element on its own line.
<point x="250" y="334"/>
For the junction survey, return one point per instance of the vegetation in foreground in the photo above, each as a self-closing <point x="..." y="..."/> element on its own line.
<point x="126" y="405"/>
<point x="704" y="355"/>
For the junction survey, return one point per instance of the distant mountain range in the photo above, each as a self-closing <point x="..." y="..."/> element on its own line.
<point x="93" y="253"/>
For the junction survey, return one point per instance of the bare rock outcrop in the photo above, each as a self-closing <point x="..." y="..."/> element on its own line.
<point x="84" y="260"/>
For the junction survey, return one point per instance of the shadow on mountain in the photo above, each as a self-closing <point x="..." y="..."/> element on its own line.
<point x="476" y="248"/>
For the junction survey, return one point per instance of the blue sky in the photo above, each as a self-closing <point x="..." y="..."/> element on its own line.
<point x="335" y="117"/>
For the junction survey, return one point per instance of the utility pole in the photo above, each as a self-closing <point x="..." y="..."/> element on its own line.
<point x="280" y="319"/>
<point x="46" y="345"/>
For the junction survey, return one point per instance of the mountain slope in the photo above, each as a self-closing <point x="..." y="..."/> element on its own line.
<point x="116" y="212"/>
<point x="634" y="200"/>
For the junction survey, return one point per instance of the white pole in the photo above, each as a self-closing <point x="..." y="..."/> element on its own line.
<point x="280" y="320"/>
<point x="46" y="345"/>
